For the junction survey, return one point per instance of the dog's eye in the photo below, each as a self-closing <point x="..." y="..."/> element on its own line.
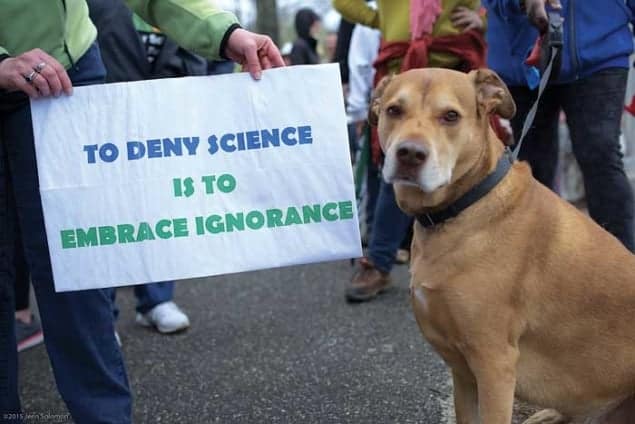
<point x="451" y="116"/>
<point x="394" y="111"/>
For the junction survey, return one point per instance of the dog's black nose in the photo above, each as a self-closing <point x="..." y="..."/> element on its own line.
<point x="411" y="154"/>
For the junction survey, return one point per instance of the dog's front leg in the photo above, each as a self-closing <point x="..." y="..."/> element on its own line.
<point x="495" y="372"/>
<point x="465" y="397"/>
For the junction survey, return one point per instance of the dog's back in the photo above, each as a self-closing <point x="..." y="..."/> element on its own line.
<point x="577" y="352"/>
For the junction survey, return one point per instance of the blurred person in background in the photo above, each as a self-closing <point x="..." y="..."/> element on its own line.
<point x="308" y="25"/>
<point x="362" y="53"/>
<point x="590" y="89"/>
<point x="431" y="33"/>
<point x="330" y="45"/>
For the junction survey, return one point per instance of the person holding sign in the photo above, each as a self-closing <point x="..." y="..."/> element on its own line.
<point x="46" y="48"/>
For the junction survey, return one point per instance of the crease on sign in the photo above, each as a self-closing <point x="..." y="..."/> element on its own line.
<point x="253" y="109"/>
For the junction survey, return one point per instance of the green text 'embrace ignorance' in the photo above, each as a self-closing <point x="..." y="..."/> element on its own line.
<point x="212" y="224"/>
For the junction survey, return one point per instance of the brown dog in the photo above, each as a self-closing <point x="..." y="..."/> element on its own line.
<point x="520" y="293"/>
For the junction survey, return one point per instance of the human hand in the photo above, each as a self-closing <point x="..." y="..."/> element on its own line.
<point x="537" y="13"/>
<point x="36" y="73"/>
<point x="466" y="19"/>
<point x="254" y="52"/>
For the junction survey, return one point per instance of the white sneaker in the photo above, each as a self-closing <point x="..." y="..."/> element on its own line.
<point x="166" y="317"/>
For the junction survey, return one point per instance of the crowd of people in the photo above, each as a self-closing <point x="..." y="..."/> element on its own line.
<point x="98" y="41"/>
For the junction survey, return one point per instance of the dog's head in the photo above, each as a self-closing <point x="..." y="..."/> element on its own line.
<point x="433" y="124"/>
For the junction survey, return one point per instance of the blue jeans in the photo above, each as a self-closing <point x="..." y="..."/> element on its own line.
<point x="78" y="326"/>
<point x="593" y="107"/>
<point x="150" y="295"/>
<point x="390" y="226"/>
<point x="373" y="182"/>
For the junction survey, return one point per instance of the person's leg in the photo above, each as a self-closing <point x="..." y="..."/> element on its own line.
<point x="540" y="147"/>
<point x="21" y="281"/>
<point x="373" y="181"/>
<point x="391" y="226"/>
<point x="150" y="295"/>
<point x="352" y="141"/>
<point x="155" y="308"/>
<point x="80" y="339"/>
<point x="28" y="331"/>
<point x="9" y="398"/>
<point x="594" y="108"/>
<point x="389" y="229"/>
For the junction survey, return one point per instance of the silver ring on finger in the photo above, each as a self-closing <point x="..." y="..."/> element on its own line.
<point x="29" y="78"/>
<point x="38" y="68"/>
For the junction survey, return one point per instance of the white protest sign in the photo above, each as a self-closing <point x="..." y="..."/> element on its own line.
<point x="189" y="177"/>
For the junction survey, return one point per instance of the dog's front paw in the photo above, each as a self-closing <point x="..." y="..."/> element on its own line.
<point x="547" y="416"/>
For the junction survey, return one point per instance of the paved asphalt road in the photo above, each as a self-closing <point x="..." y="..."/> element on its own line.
<point x="275" y="346"/>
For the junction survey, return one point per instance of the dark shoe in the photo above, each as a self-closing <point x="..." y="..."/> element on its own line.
<point x="367" y="282"/>
<point x="28" y="335"/>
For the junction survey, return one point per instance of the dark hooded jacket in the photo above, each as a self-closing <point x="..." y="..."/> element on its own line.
<point x="124" y="53"/>
<point x="304" y="51"/>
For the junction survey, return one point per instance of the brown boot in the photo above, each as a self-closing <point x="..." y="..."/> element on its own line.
<point x="367" y="282"/>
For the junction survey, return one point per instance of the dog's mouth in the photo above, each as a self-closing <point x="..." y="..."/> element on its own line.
<point x="409" y="163"/>
<point x="408" y="175"/>
<point x="416" y="176"/>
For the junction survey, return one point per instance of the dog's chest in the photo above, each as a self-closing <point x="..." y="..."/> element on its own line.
<point x="430" y="312"/>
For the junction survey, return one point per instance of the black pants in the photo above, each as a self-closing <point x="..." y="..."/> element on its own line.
<point x="593" y="107"/>
<point x="21" y="276"/>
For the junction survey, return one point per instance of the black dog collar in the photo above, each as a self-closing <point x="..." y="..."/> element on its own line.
<point x="472" y="196"/>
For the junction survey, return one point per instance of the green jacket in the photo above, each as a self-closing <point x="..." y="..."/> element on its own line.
<point x="63" y="29"/>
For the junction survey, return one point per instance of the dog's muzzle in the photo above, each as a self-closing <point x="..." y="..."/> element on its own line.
<point x="410" y="154"/>
<point x="409" y="158"/>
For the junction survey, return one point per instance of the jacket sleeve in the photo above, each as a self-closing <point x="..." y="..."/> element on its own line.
<point x="503" y="7"/>
<point x="357" y="11"/>
<point x="361" y="55"/>
<point x="631" y="6"/>
<point x="194" y="24"/>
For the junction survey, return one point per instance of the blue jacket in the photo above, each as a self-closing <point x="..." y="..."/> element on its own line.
<point x="596" y="36"/>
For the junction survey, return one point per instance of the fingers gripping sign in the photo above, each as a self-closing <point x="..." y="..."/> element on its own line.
<point x="35" y="73"/>
<point x="255" y="52"/>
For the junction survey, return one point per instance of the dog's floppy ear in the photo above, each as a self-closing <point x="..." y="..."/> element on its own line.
<point x="492" y="93"/>
<point x="373" y="110"/>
